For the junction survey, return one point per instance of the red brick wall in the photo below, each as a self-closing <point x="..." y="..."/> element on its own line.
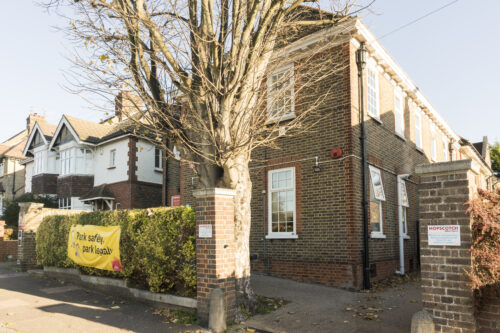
<point x="488" y="313"/>
<point x="44" y="184"/>
<point x="8" y="248"/>
<point x="215" y="262"/>
<point x="74" y="186"/>
<point x="446" y="292"/>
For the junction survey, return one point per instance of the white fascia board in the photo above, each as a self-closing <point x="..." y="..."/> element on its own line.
<point x="113" y="139"/>
<point x="31" y="137"/>
<point x="364" y="34"/>
<point x="64" y="122"/>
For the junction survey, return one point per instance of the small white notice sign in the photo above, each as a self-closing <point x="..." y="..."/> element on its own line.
<point x="443" y="235"/>
<point x="205" y="231"/>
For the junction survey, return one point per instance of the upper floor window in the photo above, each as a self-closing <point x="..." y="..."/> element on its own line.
<point x="377" y="195"/>
<point x="399" y="113"/>
<point x="372" y="92"/>
<point x="280" y="94"/>
<point x="281" y="201"/>
<point x="66" y="157"/>
<point x="38" y="163"/>
<point x="158" y="159"/>
<point x="418" y="128"/>
<point x="445" y="150"/>
<point x="2" y="167"/>
<point x="177" y="153"/>
<point x="433" y="143"/>
<point x="112" y="158"/>
<point x="76" y="161"/>
<point x="37" y="141"/>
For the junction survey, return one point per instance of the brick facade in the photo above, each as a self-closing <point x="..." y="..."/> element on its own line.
<point x="446" y="293"/>
<point x="44" y="184"/>
<point x="488" y="314"/>
<point x="74" y="186"/>
<point x="215" y="264"/>
<point x="8" y="250"/>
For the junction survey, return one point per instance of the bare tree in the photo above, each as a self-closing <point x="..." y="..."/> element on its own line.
<point x="209" y="74"/>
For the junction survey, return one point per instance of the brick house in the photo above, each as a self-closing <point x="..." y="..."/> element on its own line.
<point x="307" y="212"/>
<point x="96" y="166"/>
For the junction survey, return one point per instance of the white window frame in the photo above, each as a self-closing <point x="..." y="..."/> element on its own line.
<point x="176" y="153"/>
<point x="399" y="117"/>
<point x="433" y="143"/>
<point x="270" y="190"/>
<point x="64" y="203"/>
<point x="404" y="205"/>
<point x="2" y="168"/>
<point x="373" y="198"/>
<point x="112" y="158"/>
<point x="446" y="157"/>
<point x="372" y="102"/>
<point x="160" y="159"/>
<point x="271" y="117"/>
<point x="65" y="159"/>
<point x="418" y="128"/>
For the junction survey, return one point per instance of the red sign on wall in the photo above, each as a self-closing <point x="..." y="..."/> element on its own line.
<point x="175" y="201"/>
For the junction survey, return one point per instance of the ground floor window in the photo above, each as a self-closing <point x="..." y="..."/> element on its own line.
<point x="281" y="201"/>
<point x="377" y="195"/>
<point x="65" y="203"/>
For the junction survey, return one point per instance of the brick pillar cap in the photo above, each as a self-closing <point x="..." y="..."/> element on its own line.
<point x="210" y="192"/>
<point x="27" y="204"/>
<point x="445" y="167"/>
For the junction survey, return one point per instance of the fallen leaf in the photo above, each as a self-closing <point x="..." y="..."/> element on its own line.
<point x="346" y="321"/>
<point x="413" y="301"/>
<point x="291" y="312"/>
<point x="97" y="317"/>
<point x="115" y="307"/>
<point x="251" y="330"/>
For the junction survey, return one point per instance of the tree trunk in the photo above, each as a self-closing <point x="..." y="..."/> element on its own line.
<point x="237" y="177"/>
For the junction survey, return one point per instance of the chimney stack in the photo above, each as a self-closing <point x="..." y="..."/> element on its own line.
<point x="32" y="118"/>
<point x="126" y="104"/>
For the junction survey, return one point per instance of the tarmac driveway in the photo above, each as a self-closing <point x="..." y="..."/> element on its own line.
<point x="35" y="304"/>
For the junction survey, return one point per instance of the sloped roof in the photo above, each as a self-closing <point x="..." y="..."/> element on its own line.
<point x="98" y="192"/>
<point x="47" y="129"/>
<point x="17" y="150"/>
<point x="87" y="130"/>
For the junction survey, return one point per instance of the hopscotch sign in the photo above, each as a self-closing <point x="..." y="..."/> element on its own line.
<point x="448" y="235"/>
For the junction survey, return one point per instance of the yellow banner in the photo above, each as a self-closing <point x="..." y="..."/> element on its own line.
<point x="93" y="246"/>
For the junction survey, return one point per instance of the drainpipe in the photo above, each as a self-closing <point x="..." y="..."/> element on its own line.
<point x="400" y="218"/>
<point x="361" y="62"/>
<point x="165" y="177"/>
<point x="14" y="182"/>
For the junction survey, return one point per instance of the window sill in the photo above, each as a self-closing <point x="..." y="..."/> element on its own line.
<point x="278" y="120"/>
<point x="377" y="119"/>
<point x="400" y="136"/>
<point x="406" y="237"/>
<point x="159" y="170"/>
<point x="419" y="150"/>
<point x="277" y="236"/>
<point x="378" y="235"/>
<point x="111" y="167"/>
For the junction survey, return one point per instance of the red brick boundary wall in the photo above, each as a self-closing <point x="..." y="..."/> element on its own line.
<point x="446" y="291"/>
<point x="8" y="248"/>
<point x="215" y="251"/>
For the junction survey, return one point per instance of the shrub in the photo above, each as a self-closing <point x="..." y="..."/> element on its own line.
<point x="11" y="208"/>
<point x="485" y="249"/>
<point x="157" y="246"/>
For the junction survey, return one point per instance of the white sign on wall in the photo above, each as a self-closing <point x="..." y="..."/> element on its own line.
<point x="443" y="235"/>
<point x="205" y="231"/>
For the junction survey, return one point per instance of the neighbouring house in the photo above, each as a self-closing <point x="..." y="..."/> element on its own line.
<point x="12" y="179"/>
<point x="97" y="166"/>
<point x="307" y="212"/>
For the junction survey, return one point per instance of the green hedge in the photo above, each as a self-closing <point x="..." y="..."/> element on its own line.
<point x="157" y="246"/>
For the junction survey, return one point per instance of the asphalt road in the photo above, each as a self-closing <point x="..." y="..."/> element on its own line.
<point x="36" y="304"/>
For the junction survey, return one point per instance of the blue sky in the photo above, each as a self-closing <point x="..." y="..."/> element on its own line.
<point x="451" y="56"/>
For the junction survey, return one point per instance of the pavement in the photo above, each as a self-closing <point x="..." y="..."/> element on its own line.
<point x="35" y="304"/>
<point x="316" y="308"/>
